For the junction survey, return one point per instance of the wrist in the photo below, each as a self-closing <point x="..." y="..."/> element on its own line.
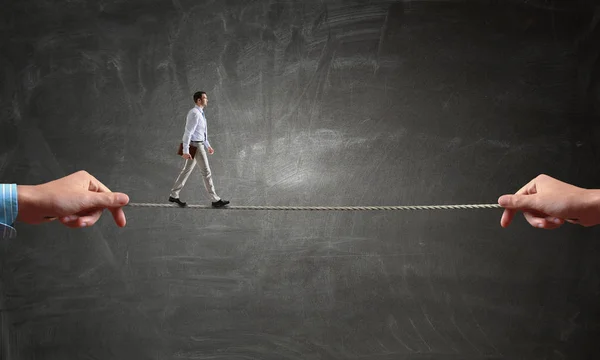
<point x="25" y="200"/>
<point x="592" y="204"/>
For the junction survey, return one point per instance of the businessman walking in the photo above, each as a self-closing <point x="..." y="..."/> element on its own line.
<point x="193" y="149"/>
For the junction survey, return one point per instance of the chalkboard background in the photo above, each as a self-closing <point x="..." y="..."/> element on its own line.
<point x="310" y="103"/>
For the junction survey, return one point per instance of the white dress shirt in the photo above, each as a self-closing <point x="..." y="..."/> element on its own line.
<point x="196" y="129"/>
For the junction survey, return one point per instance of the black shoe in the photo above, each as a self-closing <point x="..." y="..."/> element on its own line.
<point x="220" y="203"/>
<point x="176" y="200"/>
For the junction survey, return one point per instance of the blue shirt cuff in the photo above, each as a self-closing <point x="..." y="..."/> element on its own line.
<point x="9" y="210"/>
<point x="7" y="232"/>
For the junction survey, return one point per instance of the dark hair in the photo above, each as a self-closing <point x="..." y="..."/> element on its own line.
<point x="198" y="95"/>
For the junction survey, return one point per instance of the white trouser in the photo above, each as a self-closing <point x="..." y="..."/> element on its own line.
<point x="202" y="159"/>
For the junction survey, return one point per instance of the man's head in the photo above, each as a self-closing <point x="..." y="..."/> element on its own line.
<point x="200" y="99"/>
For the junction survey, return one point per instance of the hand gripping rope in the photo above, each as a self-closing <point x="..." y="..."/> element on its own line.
<point x="327" y="208"/>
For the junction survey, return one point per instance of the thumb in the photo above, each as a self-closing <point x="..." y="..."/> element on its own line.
<point x="517" y="202"/>
<point x="108" y="199"/>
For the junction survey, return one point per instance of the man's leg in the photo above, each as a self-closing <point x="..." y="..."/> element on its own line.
<point x="182" y="178"/>
<point x="202" y="160"/>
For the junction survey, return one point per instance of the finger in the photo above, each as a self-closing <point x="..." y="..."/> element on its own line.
<point x="510" y="203"/>
<point x="119" y="216"/>
<point x="506" y="201"/>
<point x="75" y="221"/>
<point x="527" y="189"/>
<point x="96" y="185"/>
<point x="71" y="224"/>
<point x="71" y="221"/>
<point x="546" y="225"/>
<point x="113" y="202"/>
<point x="106" y="200"/>
<point x="117" y="199"/>
<point x="555" y="220"/>
<point x="83" y="219"/>
<point x="517" y="201"/>
<point x="543" y="223"/>
<point x="507" y="217"/>
<point x="533" y="220"/>
<point x="88" y="219"/>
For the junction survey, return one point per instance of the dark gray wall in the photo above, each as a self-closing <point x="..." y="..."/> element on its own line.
<point x="311" y="103"/>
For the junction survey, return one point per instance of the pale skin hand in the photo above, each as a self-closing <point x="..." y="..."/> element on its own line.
<point x="189" y="157"/>
<point x="548" y="203"/>
<point x="76" y="200"/>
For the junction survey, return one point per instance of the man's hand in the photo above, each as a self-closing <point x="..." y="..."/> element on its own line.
<point x="211" y="150"/>
<point x="187" y="156"/>
<point x="77" y="200"/>
<point x="547" y="203"/>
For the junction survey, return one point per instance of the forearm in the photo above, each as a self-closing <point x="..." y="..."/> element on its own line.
<point x="26" y="202"/>
<point x="190" y="126"/>
<point x="187" y="137"/>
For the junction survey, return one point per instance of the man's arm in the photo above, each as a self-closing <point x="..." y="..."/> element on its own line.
<point x="190" y="125"/>
<point x="9" y="210"/>
<point x="206" y="143"/>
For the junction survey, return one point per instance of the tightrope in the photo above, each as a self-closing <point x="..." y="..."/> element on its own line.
<point x="325" y="208"/>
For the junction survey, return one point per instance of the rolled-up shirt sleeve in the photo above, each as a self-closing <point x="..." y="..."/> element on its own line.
<point x="190" y="125"/>
<point x="9" y="210"/>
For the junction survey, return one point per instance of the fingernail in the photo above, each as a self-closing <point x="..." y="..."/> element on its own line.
<point x="556" y="221"/>
<point x="540" y="225"/>
<point x="70" y="218"/>
<point x="122" y="198"/>
<point x="83" y="225"/>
